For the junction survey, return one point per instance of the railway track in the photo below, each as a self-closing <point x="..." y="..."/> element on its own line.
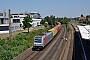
<point x="66" y="49"/>
<point x="32" y="55"/>
<point x="61" y="50"/>
<point x="27" y="55"/>
<point x="51" y="53"/>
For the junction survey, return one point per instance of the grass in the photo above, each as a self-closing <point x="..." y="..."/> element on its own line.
<point x="64" y="25"/>
<point x="4" y="36"/>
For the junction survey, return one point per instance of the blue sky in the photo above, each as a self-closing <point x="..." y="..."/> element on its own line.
<point x="59" y="8"/>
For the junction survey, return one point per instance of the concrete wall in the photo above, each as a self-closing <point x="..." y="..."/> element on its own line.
<point x="5" y="27"/>
<point x="1" y="32"/>
<point x="15" y="26"/>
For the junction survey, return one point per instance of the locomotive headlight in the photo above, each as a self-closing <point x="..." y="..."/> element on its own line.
<point x="35" y="44"/>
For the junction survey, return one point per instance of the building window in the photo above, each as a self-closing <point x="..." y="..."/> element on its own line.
<point x="5" y="13"/>
<point x="16" y="16"/>
<point x="21" y="17"/>
<point x="20" y="14"/>
<point x="1" y="14"/>
<point x="16" y="20"/>
<point x="26" y="14"/>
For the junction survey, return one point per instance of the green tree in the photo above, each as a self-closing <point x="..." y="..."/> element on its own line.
<point x="47" y="19"/>
<point x="26" y="22"/>
<point x="45" y="24"/>
<point x="52" y="19"/>
<point x="42" y="21"/>
<point x="87" y="17"/>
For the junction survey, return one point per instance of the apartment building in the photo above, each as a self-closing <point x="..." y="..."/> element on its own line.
<point x="3" y="17"/>
<point x="18" y="18"/>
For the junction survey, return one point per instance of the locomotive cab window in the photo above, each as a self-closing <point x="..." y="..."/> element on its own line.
<point x="38" y="40"/>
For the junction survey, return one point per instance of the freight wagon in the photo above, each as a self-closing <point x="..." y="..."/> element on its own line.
<point x="41" y="40"/>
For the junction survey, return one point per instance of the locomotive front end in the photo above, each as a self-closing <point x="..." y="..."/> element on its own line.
<point x="37" y="43"/>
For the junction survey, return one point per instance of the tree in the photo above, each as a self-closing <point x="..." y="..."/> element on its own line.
<point x="45" y="24"/>
<point x="52" y="20"/>
<point x="26" y="22"/>
<point x="46" y="19"/>
<point x="81" y="15"/>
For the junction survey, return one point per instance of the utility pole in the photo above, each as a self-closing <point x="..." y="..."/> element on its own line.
<point x="10" y="27"/>
<point x="4" y="16"/>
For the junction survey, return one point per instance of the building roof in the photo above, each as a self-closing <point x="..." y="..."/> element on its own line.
<point x="20" y="13"/>
<point x="87" y="28"/>
<point x="84" y="33"/>
<point x="26" y="12"/>
<point x="34" y="12"/>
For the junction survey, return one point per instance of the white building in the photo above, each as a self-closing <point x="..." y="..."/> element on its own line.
<point x="3" y="17"/>
<point x="17" y="19"/>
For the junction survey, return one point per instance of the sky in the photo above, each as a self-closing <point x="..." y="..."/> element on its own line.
<point x="58" y="8"/>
